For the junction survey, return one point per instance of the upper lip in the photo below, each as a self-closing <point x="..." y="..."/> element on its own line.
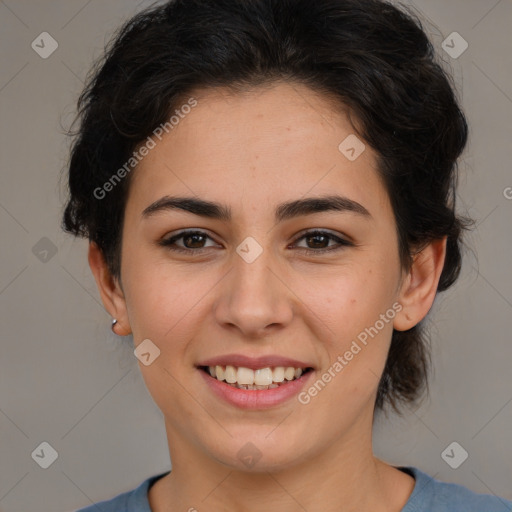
<point x="254" y="363"/>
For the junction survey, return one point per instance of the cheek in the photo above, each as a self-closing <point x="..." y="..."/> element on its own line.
<point x="348" y="304"/>
<point x="349" y="299"/>
<point x="158" y="298"/>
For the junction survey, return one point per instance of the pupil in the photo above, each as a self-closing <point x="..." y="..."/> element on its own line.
<point x="188" y="237"/>
<point x="316" y="236"/>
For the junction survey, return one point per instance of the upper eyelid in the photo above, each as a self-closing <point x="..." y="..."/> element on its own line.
<point x="319" y="230"/>
<point x="189" y="231"/>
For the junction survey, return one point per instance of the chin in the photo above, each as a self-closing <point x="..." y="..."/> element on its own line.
<point x="257" y="452"/>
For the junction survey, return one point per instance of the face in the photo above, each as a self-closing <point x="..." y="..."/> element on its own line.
<point x="304" y="286"/>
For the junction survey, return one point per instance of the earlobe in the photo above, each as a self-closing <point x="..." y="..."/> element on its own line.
<point x="419" y="288"/>
<point x="110" y="290"/>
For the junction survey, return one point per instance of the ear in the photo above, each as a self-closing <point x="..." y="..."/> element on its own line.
<point x="110" y="290"/>
<point x="419" y="288"/>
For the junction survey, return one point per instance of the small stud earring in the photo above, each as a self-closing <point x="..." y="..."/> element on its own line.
<point x="114" y="322"/>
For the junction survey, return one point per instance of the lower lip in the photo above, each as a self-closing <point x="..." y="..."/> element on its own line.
<point x="256" y="398"/>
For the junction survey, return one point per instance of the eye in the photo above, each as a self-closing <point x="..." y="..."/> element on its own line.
<point x="190" y="238"/>
<point x="320" y="238"/>
<point x="193" y="242"/>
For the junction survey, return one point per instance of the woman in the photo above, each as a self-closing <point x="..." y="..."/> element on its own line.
<point x="268" y="187"/>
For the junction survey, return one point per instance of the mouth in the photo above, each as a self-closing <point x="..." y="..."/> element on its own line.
<point x="260" y="379"/>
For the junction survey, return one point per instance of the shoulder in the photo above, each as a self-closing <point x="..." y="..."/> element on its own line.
<point x="431" y="495"/>
<point x="135" y="500"/>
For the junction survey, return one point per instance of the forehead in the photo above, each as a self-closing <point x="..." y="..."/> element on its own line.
<point x="258" y="146"/>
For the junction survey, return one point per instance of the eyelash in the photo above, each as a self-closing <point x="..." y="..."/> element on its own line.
<point x="169" y="243"/>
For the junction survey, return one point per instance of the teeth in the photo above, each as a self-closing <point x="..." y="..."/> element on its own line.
<point x="289" y="373"/>
<point x="230" y="374"/>
<point x="219" y="372"/>
<point x="248" y="386"/>
<point x="263" y="378"/>
<point x="245" y="376"/>
<point x="278" y="374"/>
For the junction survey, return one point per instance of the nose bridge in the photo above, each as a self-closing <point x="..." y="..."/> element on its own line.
<point x="252" y="297"/>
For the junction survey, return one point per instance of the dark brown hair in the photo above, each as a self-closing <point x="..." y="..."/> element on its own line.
<point x="373" y="57"/>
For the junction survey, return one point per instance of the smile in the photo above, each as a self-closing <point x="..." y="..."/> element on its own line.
<point x="259" y="379"/>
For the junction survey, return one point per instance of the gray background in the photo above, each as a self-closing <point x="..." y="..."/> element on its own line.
<point x="67" y="380"/>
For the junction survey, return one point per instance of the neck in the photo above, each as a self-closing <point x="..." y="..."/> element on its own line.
<point x="345" y="478"/>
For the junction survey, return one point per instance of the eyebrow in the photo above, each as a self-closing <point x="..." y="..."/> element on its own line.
<point x="284" y="211"/>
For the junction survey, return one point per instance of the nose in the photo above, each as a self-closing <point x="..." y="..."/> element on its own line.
<point x="254" y="297"/>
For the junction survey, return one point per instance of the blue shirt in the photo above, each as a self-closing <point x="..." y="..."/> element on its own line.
<point x="429" y="495"/>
